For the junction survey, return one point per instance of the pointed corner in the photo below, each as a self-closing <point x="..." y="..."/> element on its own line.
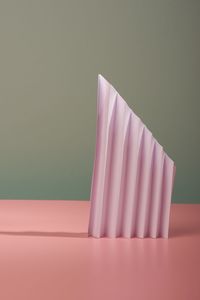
<point x="103" y="84"/>
<point x="103" y="80"/>
<point x="100" y="79"/>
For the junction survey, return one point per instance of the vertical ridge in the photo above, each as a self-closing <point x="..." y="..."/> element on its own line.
<point x="166" y="198"/>
<point x="116" y="165"/>
<point x="139" y="166"/>
<point x="156" y="192"/>
<point x="152" y="178"/>
<point x="108" y="165"/>
<point x="144" y="184"/>
<point x="123" y="175"/>
<point x="131" y="175"/>
<point x="161" y="198"/>
<point x="146" y="187"/>
<point x="97" y="158"/>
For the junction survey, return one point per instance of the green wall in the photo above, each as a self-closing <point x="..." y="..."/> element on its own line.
<point x="50" y="55"/>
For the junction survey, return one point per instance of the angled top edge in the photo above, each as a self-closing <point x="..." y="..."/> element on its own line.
<point x="104" y="81"/>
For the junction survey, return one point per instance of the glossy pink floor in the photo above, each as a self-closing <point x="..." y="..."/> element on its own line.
<point x="45" y="254"/>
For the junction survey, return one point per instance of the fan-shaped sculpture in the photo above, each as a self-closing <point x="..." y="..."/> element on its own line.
<point x="132" y="177"/>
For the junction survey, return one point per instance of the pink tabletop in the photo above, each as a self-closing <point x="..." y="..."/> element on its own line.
<point x="45" y="254"/>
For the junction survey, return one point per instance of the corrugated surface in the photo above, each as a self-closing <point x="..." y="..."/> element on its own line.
<point x="132" y="177"/>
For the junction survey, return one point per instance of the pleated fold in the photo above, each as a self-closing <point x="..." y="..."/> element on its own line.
<point x="132" y="178"/>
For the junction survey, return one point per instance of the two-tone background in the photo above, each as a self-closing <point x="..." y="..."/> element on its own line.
<point x="51" y="52"/>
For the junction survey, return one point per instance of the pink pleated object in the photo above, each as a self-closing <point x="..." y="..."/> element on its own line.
<point x="132" y="177"/>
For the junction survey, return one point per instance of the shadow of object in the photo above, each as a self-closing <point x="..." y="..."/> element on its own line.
<point x="185" y="221"/>
<point x="184" y="231"/>
<point x="46" y="234"/>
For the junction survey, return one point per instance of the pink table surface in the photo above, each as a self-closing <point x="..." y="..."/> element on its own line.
<point x="45" y="254"/>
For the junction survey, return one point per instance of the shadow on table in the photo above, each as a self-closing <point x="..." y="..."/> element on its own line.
<point x="46" y="234"/>
<point x="184" y="232"/>
<point x="184" y="229"/>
